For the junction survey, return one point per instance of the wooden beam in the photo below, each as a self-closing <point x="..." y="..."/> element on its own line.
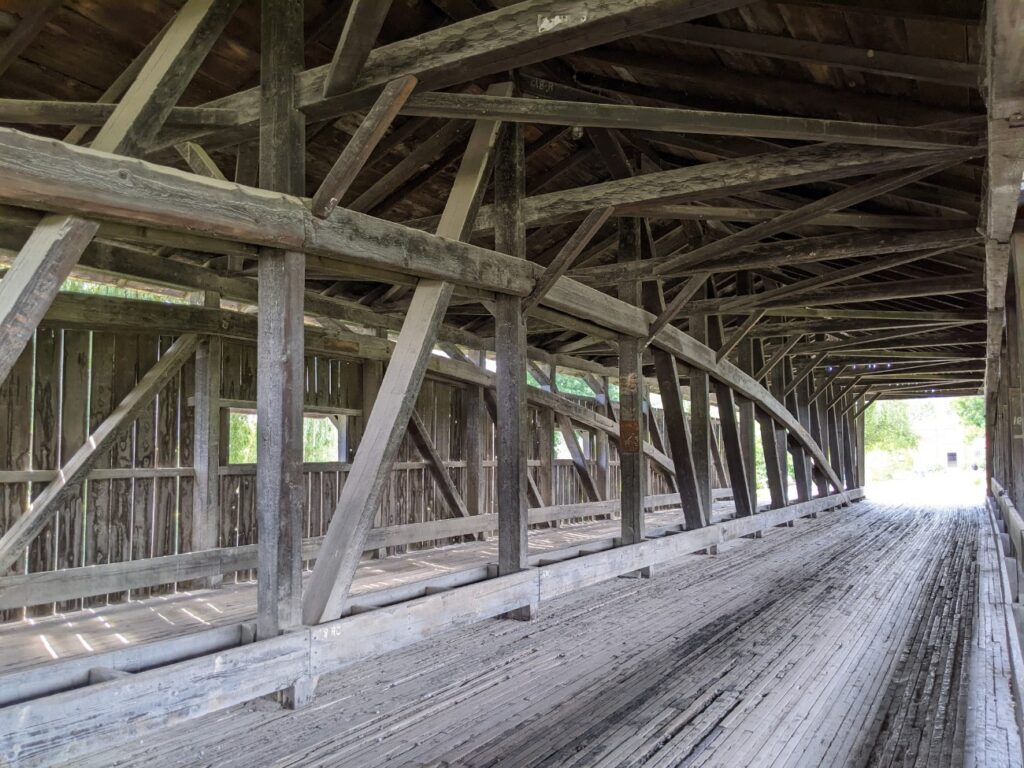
<point x="507" y="38"/>
<point x="199" y="160"/>
<point x="21" y="37"/>
<point x="565" y="257"/>
<point x="362" y="26"/>
<point x="817" y="54"/>
<point x="26" y="527"/>
<point x="778" y="356"/>
<point x="741" y="333"/>
<point x="398" y="175"/>
<point x="792" y="291"/>
<point x="206" y="444"/>
<point x="339" y="556"/>
<point x="868" y="221"/>
<point x="805" y="371"/>
<point x="280" y="374"/>
<point x="844" y="198"/>
<point x="421" y="439"/>
<point x="121" y="83"/>
<point x="87" y="113"/>
<point x="725" y="177"/>
<point x="56" y="246"/>
<point x="512" y="474"/>
<point x="579" y="459"/>
<point x="669" y="120"/>
<point x="794" y="252"/>
<point x="359" y="148"/>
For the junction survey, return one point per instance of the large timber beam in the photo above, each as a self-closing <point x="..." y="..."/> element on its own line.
<point x="667" y="120"/>
<point x="280" y="374"/>
<point x="804" y="164"/>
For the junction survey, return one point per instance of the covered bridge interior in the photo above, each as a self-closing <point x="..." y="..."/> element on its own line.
<point x="352" y="350"/>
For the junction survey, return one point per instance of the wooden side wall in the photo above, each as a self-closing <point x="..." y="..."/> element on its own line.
<point x="138" y="502"/>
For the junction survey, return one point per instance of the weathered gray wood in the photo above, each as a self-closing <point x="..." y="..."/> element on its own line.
<point x="199" y="160"/>
<point x="677" y="427"/>
<point x="421" y="439"/>
<point x="510" y="443"/>
<point x="87" y="113"/>
<point x="701" y="432"/>
<point x="280" y="373"/>
<point x="623" y="117"/>
<point x="567" y="255"/>
<point x="63" y="725"/>
<point x="802" y="251"/>
<point x="510" y="435"/>
<point x="359" y="148"/>
<point x="844" y="198"/>
<point x="343" y="544"/>
<point x="579" y="459"/>
<point x="362" y="25"/>
<point x="499" y="41"/>
<point x="206" y="445"/>
<point x="745" y="174"/>
<point x="732" y="439"/>
<point x="25" y="528"/>
<point x="739" y="335"/>
<point x="339" y="556"/>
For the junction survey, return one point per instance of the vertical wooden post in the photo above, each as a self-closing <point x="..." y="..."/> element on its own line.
<point x="372" y="374"/>
<point x="796" y="403"/>
<point x="206" y="445"/>
<point x="774" y="459"/>
<point x="473" y="425"/>
<point x="861" y="465"/>
<point x="632" y="469"/>
<point x="631" y="440"/>
<point x="280" y="372"/>
<point x="735" y="454"/>
<point x="510" y="354"/>
<point x="546" y="471"/>
<point x="700" y="418"/>
<point x="746" y="407"/>
<point x="677" y="428"/>
<point x="602" y="451"/>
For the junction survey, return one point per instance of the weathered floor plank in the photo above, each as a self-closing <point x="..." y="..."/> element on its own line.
<point x="838" y="641"/>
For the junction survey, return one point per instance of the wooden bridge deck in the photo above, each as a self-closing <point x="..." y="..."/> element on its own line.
<point x="843" y="640"/>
